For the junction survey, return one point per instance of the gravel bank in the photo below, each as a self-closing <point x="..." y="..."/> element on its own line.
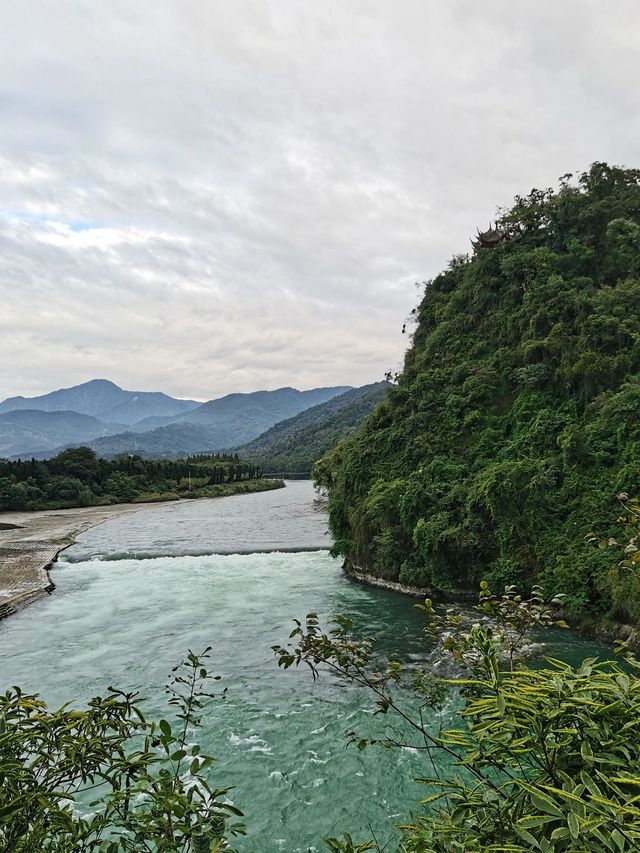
<point x="31" y="541"/>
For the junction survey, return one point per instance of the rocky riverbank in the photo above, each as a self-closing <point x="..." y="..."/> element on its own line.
<point x="458" y="595"/>
<point x="30" y="543"/>
<point x="608" y="633"/>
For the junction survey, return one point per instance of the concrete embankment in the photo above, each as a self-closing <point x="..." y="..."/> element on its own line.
<point x="382" y="583"/>
<point x="31" y="541"/>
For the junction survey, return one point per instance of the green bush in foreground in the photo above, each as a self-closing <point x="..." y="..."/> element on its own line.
<point x="142" y="787"/>
<point x="542" y="759"/>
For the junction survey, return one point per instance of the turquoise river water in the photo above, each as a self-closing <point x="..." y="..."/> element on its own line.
<point x="135" y="593"/>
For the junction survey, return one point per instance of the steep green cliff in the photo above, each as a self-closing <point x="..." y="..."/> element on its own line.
<point x="516" y="419"/>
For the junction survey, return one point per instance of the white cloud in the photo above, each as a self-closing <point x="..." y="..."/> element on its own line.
<point x="202" y="197"/>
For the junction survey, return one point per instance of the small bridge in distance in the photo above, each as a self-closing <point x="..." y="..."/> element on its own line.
<point x="287" y="475"/>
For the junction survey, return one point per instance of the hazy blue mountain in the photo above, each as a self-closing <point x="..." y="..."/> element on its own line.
<point x="26" y="432"/>
<point x="105" y="400"/>
<point x="259" y="407"/>
<point x="225" y="422"/>
<point x="152" y="422"/>
<point x="296" y="443"/>
<point x="169" y="442"/>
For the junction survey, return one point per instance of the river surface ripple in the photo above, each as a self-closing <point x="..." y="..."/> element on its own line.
<point x="135" y="593"/>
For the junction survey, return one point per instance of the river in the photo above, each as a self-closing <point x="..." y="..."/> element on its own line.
<point x="135" y="593"/>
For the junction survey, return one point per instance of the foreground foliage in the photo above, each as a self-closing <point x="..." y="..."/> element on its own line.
<point x="544" y="759"/>
<point x="515" y="420"/>
<point x="104" y="779"/>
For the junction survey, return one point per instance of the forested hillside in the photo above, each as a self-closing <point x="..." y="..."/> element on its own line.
<point x="296" y="443"/>
<point x="516" y="419"/>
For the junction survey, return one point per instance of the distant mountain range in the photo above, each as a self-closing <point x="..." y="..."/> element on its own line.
<point x="33" y="432"/>
<point x="293" y="445"/>
<point x="111" y="420"/>
<point x="104" y="400"/>
<point x="216" y="425"/>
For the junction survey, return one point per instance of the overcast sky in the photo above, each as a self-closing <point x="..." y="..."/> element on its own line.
<point x="204" y="197"/>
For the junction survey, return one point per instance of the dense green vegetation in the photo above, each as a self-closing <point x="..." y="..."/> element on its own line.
<point x="540" y="758"/>
<point x="514" y="423"/>
<point x="104" y="779"/>
<point x="296" y="443"/>
<point x="77" y="477"/>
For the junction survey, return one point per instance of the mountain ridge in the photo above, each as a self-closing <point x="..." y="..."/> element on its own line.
<point x="210" y="426"/>
<point x="103" y="399"/>
<point x="34" y="431"/>
<point x="295" y="444"/>
<point x="217" y="424"/>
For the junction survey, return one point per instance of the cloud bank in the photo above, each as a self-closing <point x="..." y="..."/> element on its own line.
<point x="205" y="197"/>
